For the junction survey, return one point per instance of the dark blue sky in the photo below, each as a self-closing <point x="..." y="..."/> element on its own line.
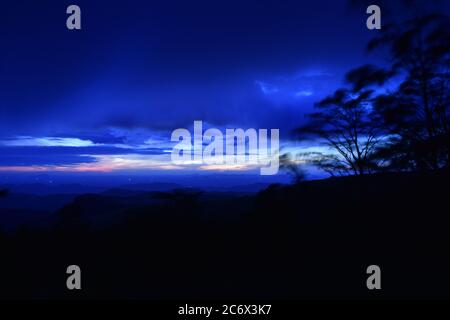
<point x="139" y="69"/>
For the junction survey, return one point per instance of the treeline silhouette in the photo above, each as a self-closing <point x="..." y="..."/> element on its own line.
<point x="395" y="118"/>
<point x="314" y="239"/>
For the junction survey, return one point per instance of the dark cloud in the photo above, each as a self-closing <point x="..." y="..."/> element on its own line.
<point x="161" y="65"/>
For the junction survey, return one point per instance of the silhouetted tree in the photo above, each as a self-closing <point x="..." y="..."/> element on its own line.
<point x="416" y="114"/>
<point x="345" y="122"/>
<point x="288" y="163"/>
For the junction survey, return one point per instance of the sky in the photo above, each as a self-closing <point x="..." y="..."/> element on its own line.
<point x="105" y="99"/>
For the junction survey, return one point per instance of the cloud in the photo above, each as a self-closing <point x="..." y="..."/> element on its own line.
<point x="32" y="152"/>
<point x="286" y="89"/>
<point x="314" y="73"/>
<point x="14" y="160"/>
<point x="88" y="163"/>
<point x="304" y="93"/>
<point x="26" y="141"/>
<point x="266" y="88"/>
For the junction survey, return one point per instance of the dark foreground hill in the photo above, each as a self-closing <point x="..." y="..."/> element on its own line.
<point x="311" y="240"/>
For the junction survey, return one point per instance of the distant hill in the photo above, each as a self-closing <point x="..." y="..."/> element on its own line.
<point x="4" y="193"/>
<point x="310" y="240"/>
